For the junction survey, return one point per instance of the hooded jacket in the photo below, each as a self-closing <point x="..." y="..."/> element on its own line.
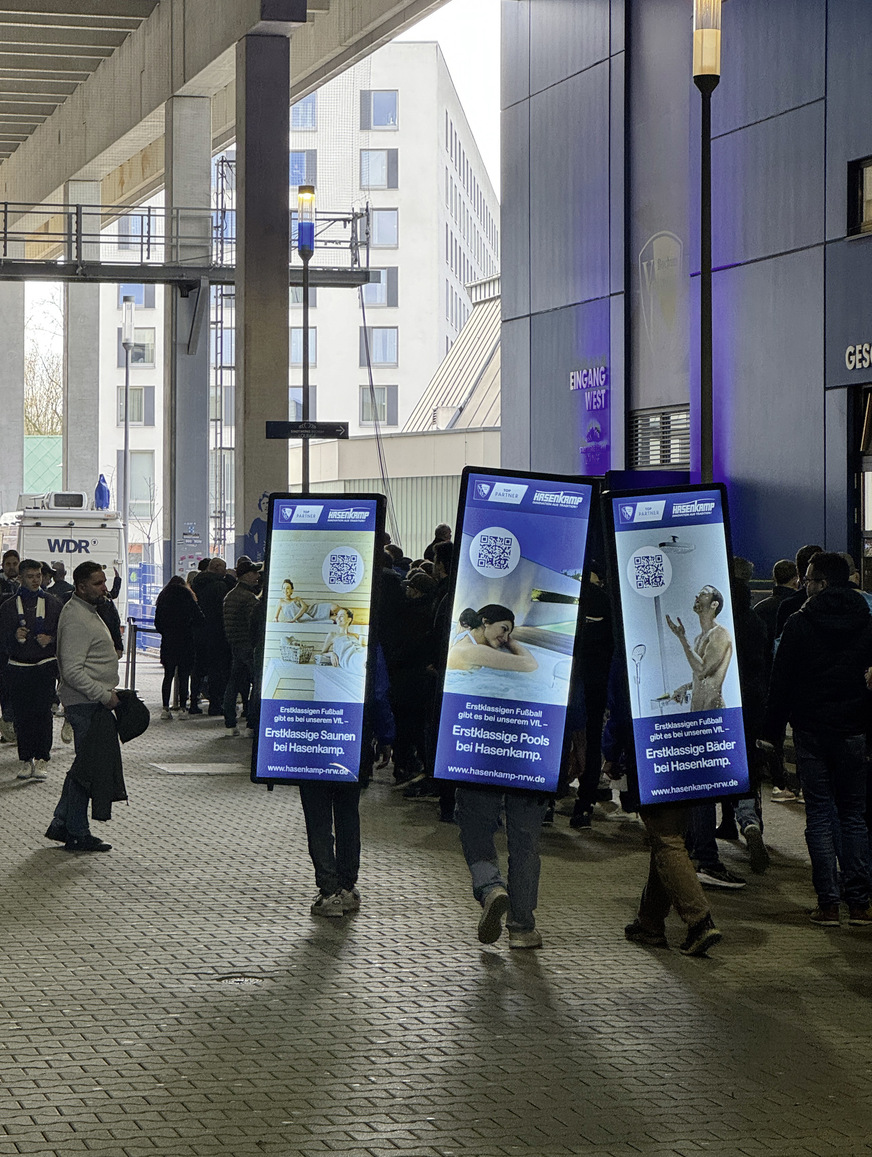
<point x="818" y="677"/>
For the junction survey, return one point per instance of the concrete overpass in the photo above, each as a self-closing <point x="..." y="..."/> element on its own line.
<point x="103" y="102"/>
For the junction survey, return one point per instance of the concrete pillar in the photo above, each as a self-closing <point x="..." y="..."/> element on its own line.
<point x="12" y="392"/>
<point x="81" y="305"/>
<point x="188" y="167"/>
<point x="263" y="238"/>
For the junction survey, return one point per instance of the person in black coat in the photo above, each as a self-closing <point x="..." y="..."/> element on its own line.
<point x="176" y="617"/>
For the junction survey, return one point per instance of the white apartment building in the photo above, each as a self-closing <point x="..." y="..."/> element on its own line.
<point x="391" y="134"/>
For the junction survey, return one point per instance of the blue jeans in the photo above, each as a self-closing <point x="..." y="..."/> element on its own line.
<point x="327" y="806"/>
<point x="833" y="777"/>
<point x="72" y="808"/>
<point x="478" y="817"/>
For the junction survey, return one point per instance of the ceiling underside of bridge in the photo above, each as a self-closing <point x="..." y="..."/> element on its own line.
<point x="48" y="48"/>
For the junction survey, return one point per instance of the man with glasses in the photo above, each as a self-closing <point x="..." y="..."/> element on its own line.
<point x="819" y="687"/>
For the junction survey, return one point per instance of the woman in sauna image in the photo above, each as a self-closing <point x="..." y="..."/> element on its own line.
<point x="291" y="609"/>
<point x="486" y="641"/>
<point x="345" y="648"/>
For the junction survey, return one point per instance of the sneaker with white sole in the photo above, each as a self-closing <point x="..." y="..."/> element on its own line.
<point x="25" y="769"/>
<point x="719" y="877"/>
<point x="230" y="732"/>
<point x="525" y="938"/>
<point x="248" y="733"/>
<point x="700" y="937"/>
<point x="67" y="732"/>
<point x="327" y="905"/>
<point x="40" y="770"/>
<point x="350" y="898"/>
<point x="167" y="714"/>
<point x="782" y="795"/>
<point x="494" y="906"/>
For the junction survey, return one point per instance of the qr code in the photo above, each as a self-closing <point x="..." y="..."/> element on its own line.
<point x="342" y="570"/>
<point x="494" y="552"/>
<point x="648" y="571"/>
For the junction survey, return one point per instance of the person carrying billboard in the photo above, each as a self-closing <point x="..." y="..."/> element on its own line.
<point x="819" y="686"/>
<point x="710" y="655"/>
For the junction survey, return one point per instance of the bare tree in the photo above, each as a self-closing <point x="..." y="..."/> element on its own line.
<point x="44" y="367"/>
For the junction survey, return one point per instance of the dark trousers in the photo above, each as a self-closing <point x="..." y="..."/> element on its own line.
<point x="239" y="683"/>
<point x="182" y="662"/>
<point x="329" y="808"/>
<point x="32" y="690"/>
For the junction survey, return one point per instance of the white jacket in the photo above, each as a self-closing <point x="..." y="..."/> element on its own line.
<point x="86" y="655"/>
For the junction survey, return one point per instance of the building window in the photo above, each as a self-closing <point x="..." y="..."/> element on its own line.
<point x="295" y="403"/>
<point x="660" y="438"/>
<point x="379" y="168"/>
<point x="223" y="352"/>
<point x="304" y="167"/>
<point x="142" y="353"/>
<point x="297" y="295"/>
<point x="297" y="345"/>
<point x="142" y="487"/>
<point x="385" y="228"/>
<point x="383" y="291"/>
<point x="304" y="114"/>
<point x="141" y="405"/>
<point x="132" y="231"/>
<point x="379" y="404"/>
<point x="143" y="295"/>
<point x="379" y="108"/>
<point x="860" y="196"/>
<point x="383" y="345"/>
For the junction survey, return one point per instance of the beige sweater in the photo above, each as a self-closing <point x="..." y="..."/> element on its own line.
<point x="86" y="655"/>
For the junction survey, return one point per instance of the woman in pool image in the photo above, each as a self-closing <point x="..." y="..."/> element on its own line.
<point x="487" y="642"/>
<point x="293" y="610"/>
<point x="345" y="648"/>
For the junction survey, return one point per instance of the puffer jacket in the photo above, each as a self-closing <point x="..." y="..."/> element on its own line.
<point x="818" y="677"/>
<point x="238" y="606"/>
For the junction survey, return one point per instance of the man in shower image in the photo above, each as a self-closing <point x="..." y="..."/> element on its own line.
<point x="710" y="655"/>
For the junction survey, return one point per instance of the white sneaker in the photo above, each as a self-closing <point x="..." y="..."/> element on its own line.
<point x="248" y="733"/>
<point x="25" y="769"/>
<point x="350" y="898"/>
<point x="40" y="770"/>
<point x="327" y="905"/>
<point x="167" y="714"/>
<point x="229" y="732"/>
<point x="782" y="795"/>
<point x="67" y="732"/>
<point x="182" y="713"/>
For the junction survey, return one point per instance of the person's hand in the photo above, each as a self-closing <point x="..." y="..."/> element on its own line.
<point x="384" y="753"/>
<point x="113" y="702"/>
<point x="21" y="634"/>
<point x="43" y="640"/>
<point x="677" y="629"/>
<point x="334" y="659"/>
<point x="677" y="695"/>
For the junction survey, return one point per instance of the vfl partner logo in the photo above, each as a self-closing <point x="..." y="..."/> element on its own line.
<point x="627" y="512"/>
<point x="482" y="489"/>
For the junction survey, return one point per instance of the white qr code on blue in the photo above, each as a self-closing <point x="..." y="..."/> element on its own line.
<point x="494" y="551"/>
<point x="648" y="571"/>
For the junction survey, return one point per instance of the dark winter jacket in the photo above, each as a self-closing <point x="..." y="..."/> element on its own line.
<point x="211" y="590"/>
<point x="32" y="604"/>
<point x="238" y="607"/>
<point x="818" y="677"/>
<point x="176" y="616"/>
<point x="97" y="766"/>
<point x="768" y="611"/>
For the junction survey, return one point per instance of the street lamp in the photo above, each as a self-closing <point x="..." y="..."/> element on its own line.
<point x="706" y="74"/>
<point x="128" y="334"/>
<point x="305" y="248"/>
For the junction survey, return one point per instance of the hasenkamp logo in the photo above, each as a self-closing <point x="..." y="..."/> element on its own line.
<point x="694" y="509"/>
<point x="557" y="498"/>
<point x="641" y="511"/>
<point x="350" y="514"/>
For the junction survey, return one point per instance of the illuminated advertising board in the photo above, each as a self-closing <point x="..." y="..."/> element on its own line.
<point x="671" y="577"/>
<point x="515" y="603"/>
<point x="318" y="586"/>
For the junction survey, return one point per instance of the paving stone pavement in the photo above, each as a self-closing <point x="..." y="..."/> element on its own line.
<point x="175" y="996"/>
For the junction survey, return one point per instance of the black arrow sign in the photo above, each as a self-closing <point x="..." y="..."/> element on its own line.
<point x="289" y="430"/>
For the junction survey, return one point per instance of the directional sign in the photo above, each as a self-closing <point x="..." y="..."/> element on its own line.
<point x="307" y="430"/>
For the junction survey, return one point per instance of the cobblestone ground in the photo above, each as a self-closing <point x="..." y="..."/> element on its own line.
<point x="175" y="996"/>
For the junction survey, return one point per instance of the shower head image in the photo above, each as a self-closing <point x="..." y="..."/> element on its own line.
<point x="637" y="655"/>
<point x="674" y="545"/>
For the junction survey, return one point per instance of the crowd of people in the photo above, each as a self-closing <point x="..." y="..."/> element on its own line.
<point x="804" y="657"/>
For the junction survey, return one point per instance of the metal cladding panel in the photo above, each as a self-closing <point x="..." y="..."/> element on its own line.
<point x="848" y="321"/>
<point x="849" y="89"/>
<point x="515" y="53"/>
<point x="566" y="39"/>
<point x="772" y="60"/>
<point x="515" y="211"/>
<point x="563" y="341"/>
<point x="569" y="191"/>
<point x="515" y="426"/>
<point x="420" y="505"/>
<point x="769" y="404"/>
<point x="768" y="188"/>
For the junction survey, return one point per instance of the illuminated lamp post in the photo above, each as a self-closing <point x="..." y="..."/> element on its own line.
<point x="305" y="248"/>
<point x="706" y="74"/>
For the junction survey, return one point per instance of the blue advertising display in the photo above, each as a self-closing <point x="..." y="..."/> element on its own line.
<point x="673" y="578"/>
<point x="318" y="592"/>
<point x="513" y="624"/>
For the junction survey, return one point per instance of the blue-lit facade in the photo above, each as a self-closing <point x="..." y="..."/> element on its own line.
<point x="600" y="214"/>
